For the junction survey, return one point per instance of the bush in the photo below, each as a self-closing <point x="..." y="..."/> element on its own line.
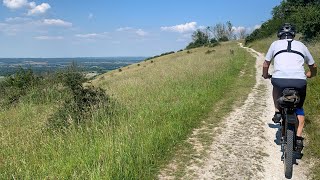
<point x="17" y="85"/>
<point x="83" y="102"/>
<point x="77" y="111"/>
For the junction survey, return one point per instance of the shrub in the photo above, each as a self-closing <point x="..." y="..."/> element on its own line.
<point x="77" y="111"/>
<point x="82" y="102"/>
<point x="17" y="85"/>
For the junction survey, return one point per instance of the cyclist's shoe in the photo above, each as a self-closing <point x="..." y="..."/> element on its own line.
<point x="277" y="117"/>
<point x="299" y="144"/>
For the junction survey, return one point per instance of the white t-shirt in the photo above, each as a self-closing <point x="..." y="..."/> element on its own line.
<point x="287" y="64"/>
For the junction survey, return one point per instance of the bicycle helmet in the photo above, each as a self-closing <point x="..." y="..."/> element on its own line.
<point x="287" y="29"/>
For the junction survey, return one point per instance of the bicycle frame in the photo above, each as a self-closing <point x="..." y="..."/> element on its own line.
<point x="289" y="126"/>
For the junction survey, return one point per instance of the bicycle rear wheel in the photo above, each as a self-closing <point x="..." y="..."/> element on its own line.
<point x="288" y="152"/>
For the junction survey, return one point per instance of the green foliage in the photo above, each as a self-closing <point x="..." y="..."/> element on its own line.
<point x="211" y="36"/>
<point x="83" y="102"/>
<point x="305" y="14"/>
<point x="77" y="110"/>
<point x="17" y="85"/>
<point x="308" y="21"/>
<point x="268" y="28"/>
<point x="201" y="38"/>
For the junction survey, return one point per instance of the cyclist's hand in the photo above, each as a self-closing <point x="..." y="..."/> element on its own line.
<point x="268" y="76"/>
<point x="308" y="74"/>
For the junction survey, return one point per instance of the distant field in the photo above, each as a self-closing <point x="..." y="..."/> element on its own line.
<point x="39" y="65"/>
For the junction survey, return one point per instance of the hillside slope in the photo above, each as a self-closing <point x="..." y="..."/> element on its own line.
<point x="156" y="105"/>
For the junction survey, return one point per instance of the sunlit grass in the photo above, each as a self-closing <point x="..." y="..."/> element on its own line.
<point x="158" y="105"/>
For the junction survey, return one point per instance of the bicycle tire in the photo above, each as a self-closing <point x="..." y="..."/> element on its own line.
<point x="288" y="152"/>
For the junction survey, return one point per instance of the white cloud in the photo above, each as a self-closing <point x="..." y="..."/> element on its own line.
<point x="124" y="29"/>
<point x="92" y="35"/>
<point x="33" y="8"/>
<point x="32" y="4"/>
<point x="15" y="4"/>
<point x="257" y="26"/>
<point x="238" y="29"/>
<point x="40" y="9"/>
<point x="49" y="37"/>
<point x="182" y="28"/>
<point x="140" y="32"/>
<point x="56" y="22"/>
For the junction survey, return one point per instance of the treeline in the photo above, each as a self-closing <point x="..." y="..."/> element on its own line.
<point x="304" y="14"/>
<point x="212" y="35"/>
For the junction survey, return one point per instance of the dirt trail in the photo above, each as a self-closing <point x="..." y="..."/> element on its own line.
<point x="245" y="145"/>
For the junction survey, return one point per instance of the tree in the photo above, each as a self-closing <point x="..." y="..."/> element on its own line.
<point x="219" y="31"/>
<point x="229" y="30"/>
<point x="199" y="38"/>
<point x="222" y="32"/>
<point x="242" y="33"/>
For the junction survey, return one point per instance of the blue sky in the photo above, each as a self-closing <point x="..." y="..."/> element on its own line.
<point x="100" y="28"/>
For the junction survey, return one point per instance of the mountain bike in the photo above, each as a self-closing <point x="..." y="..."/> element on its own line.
<point x="289" y="124"/>
<point x="288" y="127"/>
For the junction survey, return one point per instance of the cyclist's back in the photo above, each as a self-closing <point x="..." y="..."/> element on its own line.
<point x="289" y="64"/>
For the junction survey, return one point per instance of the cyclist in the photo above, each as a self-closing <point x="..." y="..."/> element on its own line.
<point x="289" y="57"/>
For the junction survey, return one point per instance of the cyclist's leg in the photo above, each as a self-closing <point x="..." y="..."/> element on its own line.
<point x="276" y="94"/>
<point x="300" y="111"/>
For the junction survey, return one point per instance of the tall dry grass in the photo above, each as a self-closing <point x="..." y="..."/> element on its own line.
<point x="158" y="104"/>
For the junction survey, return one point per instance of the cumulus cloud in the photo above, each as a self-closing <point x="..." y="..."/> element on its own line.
<point x="49" y="37"/>
<point x="15" y="4"/>
<point x="33" y="8"/>
<point x="56" y="22"/>
<point x="181" y="28"/>
<point x="40" y="9"/>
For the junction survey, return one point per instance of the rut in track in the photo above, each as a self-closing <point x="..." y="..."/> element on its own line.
<point x="245" y="145"/>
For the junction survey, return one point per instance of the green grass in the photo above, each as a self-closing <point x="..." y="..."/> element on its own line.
<point x="159" y="104"/>
<point x="311" y="106"/>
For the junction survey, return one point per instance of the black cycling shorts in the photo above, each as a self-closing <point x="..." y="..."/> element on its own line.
<point x="300" y="85"/>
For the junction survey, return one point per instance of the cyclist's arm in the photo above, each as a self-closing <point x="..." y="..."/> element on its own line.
<point x="265" y="69"/>
<point x="267" y="61"/>
<point x="312" y="72"/>
<point x="311" y="63"/>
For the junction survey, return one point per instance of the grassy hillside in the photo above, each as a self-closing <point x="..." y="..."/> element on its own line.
<point x="312" y="104"/>
<point x="159" y="102"/>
